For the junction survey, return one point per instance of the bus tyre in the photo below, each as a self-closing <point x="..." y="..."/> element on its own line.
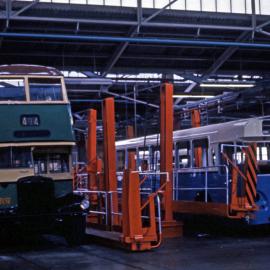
<point x="74" y="228"/>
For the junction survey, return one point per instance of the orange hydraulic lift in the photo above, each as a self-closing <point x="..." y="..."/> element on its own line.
<point x="170" y="227"/>
<point x="242" y="203"/>
<point x="124" y="218"/>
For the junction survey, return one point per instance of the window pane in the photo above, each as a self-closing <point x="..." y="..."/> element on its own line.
<point x="21" y="157"/>
<point x="45" y="89"/>
<point x="147" y="3"/>
<point x="60" y="1"/>
<point x="77" y="1"/>
<point x="40" y="163"/>
<point x="161" y="3"/>
<point x="12" y="89"/>
<point x="248" y="6"/>
<point x="179" y="5"/>
<point x="129" y="3"/>
<point x="95" y="2"/>
<point x="265" y="7"/>
<point x="112" y="2"/>
<point x="183" y="154"/>
<point x="58" y="163"/>
<point x="5" y="157"/>
<point x="223" y="6"/>
<point x="193" y="5"/>
<point x="209" y="5"/>
<point x="238" y="6"/>
<point x="264" y="153"/>
<point x="258" y="6"/>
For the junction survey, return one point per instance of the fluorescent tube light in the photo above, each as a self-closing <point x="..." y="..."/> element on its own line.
<point x="227" y="85"/>
<point x="192" y="96"/>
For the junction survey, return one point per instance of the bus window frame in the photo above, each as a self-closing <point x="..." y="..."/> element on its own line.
<point x="28" y="100"/>
<point x="189" y="153"/>
<point x="24" y="86"/>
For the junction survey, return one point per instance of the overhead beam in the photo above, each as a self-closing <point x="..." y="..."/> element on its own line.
<point x="131" y="99"/>
<point x="131" y="23"/>
<point x="142" y="40"/>
<point x="17" y="13"/>
<point x="132" y="32"/>
<point x="215" y="66"/>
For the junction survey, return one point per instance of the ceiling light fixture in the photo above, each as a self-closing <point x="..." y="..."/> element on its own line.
<point x="227" y="85"/>
<point x="192" y="96"/>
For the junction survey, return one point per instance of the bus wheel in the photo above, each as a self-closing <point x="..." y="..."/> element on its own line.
<point x="74" y="229"/>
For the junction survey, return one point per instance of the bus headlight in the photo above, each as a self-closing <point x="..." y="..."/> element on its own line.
<point x="85" y="204"/>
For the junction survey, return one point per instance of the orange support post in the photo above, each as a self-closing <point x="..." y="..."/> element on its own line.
<point x="131" y="209"/>
<point x="196" y="122"/>
<point x="170" y="227"/>
<point x="134" y="235"/>
<point x="91" y="147"/>
<point x="110" y="154"/>
<point x="130" y="132"/>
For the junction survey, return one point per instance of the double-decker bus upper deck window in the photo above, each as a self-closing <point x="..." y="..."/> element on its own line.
<point x="45" y="89"/>
<point x="12" y="90"/>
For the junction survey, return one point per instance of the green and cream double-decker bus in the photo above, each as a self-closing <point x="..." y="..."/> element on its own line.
<point x="36" y="140"/>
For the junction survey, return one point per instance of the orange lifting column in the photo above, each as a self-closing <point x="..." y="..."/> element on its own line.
<point x="91" y="167"/>
<point x="170" y="227"/>
<point x="92" y="148"/>
<point x="135" y="236"/>
<point x="196" y="122"/>
<point x="110" y="154"/>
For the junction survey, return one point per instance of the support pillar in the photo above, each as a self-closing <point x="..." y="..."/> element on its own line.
<point x="91" y="149"/>
<point x="110" y="179"/>
<point x="170" y="227"/>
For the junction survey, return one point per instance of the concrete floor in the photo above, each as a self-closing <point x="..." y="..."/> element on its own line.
<point x="191" y="252"/>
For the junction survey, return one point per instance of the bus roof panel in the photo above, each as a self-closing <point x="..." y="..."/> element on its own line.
<point x="29" y="70"/>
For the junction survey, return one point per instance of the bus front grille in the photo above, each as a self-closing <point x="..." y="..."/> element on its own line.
<point x="35" y="195"/>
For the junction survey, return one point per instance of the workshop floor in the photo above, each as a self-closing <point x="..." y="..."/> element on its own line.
<point x="192" y="252"/>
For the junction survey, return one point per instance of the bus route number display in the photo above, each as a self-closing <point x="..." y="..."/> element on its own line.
<point x="30" y="120"/>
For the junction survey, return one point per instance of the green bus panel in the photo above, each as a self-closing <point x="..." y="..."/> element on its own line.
<point x="54" y="123"/>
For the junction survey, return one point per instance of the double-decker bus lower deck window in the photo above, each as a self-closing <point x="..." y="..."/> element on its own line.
<point x="40" y="163"/>
<point x="58" y="163"/>
<point x="21" y="157"/>
<point x="15" y="157"/>
<point x="12" y="90"/>
<point x="5" y="158"/>
<point x="45" y="89"/>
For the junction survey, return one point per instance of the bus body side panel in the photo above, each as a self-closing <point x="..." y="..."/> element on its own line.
<point x="262" y="216"/>
<point x="192" y="185"/>
<point x="8" y="196"/>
